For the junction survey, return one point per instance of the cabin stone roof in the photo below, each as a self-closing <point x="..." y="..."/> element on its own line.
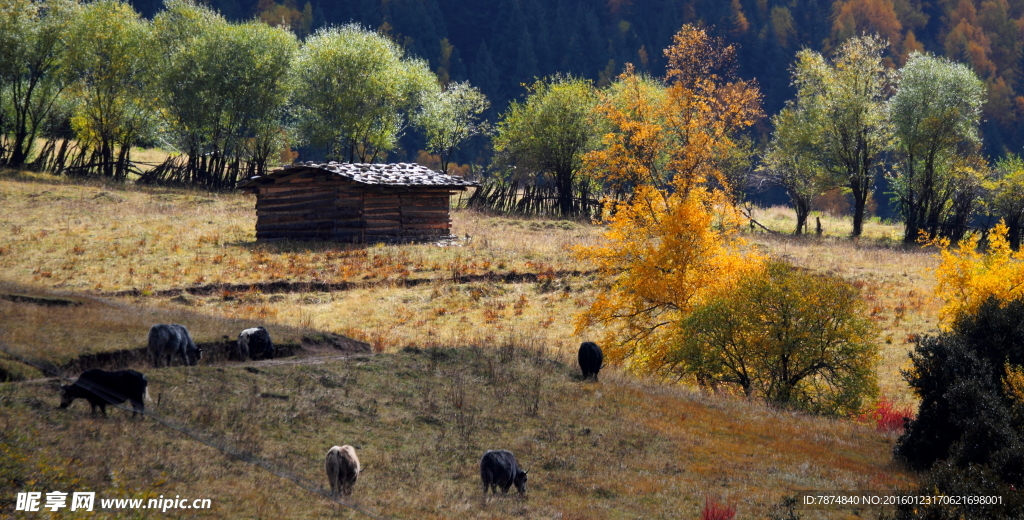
<point x="392" y="174"/>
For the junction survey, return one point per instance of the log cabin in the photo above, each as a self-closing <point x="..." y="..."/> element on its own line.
<point x="354" y="202"/>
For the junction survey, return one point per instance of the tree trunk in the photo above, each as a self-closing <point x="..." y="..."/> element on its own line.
<point x="19" y="150"/>
<point x="1014" y="232"/>
<point x="563" y="179"/>
<point x="107" y="159"/>
<point x="803" y="209"/>
<point x="859" y="203"/>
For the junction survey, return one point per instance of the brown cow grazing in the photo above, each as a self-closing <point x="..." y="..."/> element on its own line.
<point x="342" y="469"/>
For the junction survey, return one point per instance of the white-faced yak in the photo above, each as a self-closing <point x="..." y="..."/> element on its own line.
<point x="342" y="469"/>
<point x="255" y="343"/>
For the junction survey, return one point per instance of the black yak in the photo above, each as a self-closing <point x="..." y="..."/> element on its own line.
<point x="100" y="388"/>
<point x="499" y="469"/>
<point x="591" y="358"/>
<point x="167" y="341"/>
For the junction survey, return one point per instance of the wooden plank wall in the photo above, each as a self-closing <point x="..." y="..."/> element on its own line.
<point x="400" y="213"/>
<point x="425" y="213"/>
<point x="308" y="206"/>
<point x="312" y="205"/>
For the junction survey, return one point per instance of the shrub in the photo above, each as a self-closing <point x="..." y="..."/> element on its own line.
<point x="970" y="274"/>
<point x="887" y="417"/>
<point x="969" y="430"/>
<point x="966" y="415"/>
<point x="713" y="510"/>
<point x="789" y="336"/>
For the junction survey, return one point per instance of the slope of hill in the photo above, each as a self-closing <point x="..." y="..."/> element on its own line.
<point x="474" y="351"/>
<point x="196" y="252"/>
<point x="420" y="420"/>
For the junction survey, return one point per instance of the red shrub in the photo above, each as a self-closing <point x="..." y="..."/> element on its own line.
<point x="713" y="510"/>
<point x="887" y="417"/>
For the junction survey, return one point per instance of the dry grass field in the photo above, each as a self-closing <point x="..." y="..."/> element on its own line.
<point x="155" y="244"/>
<point x="151" y="246"/>
<point x="420" y="420"/>
<point x="419" y="411"/>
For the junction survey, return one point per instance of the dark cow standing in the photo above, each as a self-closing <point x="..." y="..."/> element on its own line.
<point x="170" y="340"/>
<point x="255" y="342"/>
<point x="100" y="388"/>
<point x="499" y="469"/>
<point x="591" y="359"/>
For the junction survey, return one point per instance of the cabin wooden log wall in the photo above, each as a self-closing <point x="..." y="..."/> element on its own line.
<point x="313" y="203"/>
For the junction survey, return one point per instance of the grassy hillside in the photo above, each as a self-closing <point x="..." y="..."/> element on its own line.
<point x="419" y="411"/>
<point x="197" y="251"/>
<point x="58" y="328"/>
<point x="420" y="420"/>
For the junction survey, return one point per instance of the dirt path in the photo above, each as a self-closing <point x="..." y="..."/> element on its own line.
<point x="301" y="360"/>
<point x="314" y="357"/>
<point x="282" y="286"/>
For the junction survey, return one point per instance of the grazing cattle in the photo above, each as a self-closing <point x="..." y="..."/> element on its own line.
<point x="100" y="388"/>
<point x="591" y="358"/>
<point x="255" y="342"/>
<point x="167" y="341"/>
<point x="342" y="469"/>
<point x="499" y="469"/>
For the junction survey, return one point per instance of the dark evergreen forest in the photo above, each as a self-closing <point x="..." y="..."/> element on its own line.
<point x="500" y="44"/>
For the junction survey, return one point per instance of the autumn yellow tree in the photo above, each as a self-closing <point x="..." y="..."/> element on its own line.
<point x="672" y="244"/>
<point x="635" y="151"/>
<point x="969" y="275"/>
<point x="853" y="18"/>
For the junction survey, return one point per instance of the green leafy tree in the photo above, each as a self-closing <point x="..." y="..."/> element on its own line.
<point x="789" y="336"/>
<point x="549" y="133"/>
<point x="844" y="102"/>
<point x="791" y="163"/>
<point x="451" y="116"/>
<point x="112" y="53"/>
<point x="355" y="92"/>
<point x="32" y="76"/>
<point x="224" y="87"/>
<point x="935" y="115"/>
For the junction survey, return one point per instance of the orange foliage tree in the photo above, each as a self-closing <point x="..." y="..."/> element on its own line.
<point x="676" y="135"/>
<point x="634" y="152"/>
<point x="673" y="243"/>
<point x="855" y="17"/>
<point x="969" y="275"/>
<point x="287" y="15"/>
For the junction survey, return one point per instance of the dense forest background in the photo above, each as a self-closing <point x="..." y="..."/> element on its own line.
<point x="500" y="44"/>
